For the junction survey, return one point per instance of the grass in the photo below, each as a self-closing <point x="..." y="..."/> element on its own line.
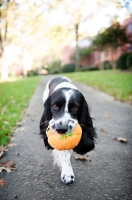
<point x="14" y="98"/>
<point x="113" y="82"/>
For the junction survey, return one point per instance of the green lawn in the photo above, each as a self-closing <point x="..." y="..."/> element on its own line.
<point x="14" y="98"/>
<point x="115" y="83"/>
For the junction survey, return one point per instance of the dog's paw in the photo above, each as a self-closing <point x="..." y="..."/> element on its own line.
<point x="67" y="178"/>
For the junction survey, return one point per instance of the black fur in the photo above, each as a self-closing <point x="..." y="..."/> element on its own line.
<point x="87" y="141"/>
<point x="44" y="122"/>
<point x="54" y="82"/>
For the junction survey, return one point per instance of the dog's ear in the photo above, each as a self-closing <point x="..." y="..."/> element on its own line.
<point x="47" y="110"/>
<point x="87" y="141"/>
<point x="46" y="117"/>
<point x="85" y="115"/>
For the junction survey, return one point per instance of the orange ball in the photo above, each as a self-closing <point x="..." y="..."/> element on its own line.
<point x="64" y="141"/>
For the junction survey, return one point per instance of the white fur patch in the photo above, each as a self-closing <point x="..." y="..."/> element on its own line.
<point x="68" y="95"/>
<point x="46" y="92"/>
<point x="65" y="85"/>
<point x="61" y="85"/>
<point x="62" y="159"/>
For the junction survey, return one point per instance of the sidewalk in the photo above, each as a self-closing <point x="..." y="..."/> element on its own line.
<point x="106" y="175"/>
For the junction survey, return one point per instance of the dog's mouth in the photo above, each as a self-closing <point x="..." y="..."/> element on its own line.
<point x="62" y="130"/>
<point x="63" y="127"/>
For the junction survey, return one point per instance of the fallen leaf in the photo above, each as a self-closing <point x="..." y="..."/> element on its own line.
<point x="8" y="163"/>
<point x="6" y="122"/>
<point x="2" y="182"/>
<point x="19" y="124"/>
<point x="1" y="153"/>
<point x="12" y="139"/>
<point x="103" y="130"/>
<point x="83" y="158"/>
<point x="3" y="149"/>
<point x="3" y="110"/>
<point x="11" y="145"/>
<point x="110" y="100"/>
<point x="24" y="111"/>
<point x="8" y="166"/>
<point x="21" y="129"/>
<point x="6" y="169"/>
<point x="120" y="139"/>
<point x="107" y="116"/>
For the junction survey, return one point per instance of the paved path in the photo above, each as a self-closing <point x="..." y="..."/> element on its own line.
<point x="107" y="175"/>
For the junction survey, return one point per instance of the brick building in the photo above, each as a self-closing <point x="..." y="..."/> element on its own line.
<point x="96" y="58"/>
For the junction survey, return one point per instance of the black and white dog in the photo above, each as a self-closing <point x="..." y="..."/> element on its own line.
<point x="64" y="107"/>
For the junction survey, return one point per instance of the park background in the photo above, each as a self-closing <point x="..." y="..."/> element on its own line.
<point x="88" y="41"/>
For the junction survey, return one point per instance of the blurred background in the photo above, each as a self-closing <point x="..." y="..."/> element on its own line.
<point x="55" y="36"/>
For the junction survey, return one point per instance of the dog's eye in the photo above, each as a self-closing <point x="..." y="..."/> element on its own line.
<point x="55" y="107"/>
<point x="75" y="108"/>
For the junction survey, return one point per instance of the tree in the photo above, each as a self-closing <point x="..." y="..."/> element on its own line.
<point x="112" y="38"/>
<point x="3" y="16"/>
<point x="33" y="26"/>
<point x="123" y="3"/>
<point x="83" y="53"/>
<point x="75" y="11"/>
<point x="7" y="15"/>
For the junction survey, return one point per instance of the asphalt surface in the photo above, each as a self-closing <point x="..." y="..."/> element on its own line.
<point x="106" y="175"/>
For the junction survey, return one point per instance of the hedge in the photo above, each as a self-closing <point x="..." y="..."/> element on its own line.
<point x="68" y="68"/>
<point x="124" y="61"/>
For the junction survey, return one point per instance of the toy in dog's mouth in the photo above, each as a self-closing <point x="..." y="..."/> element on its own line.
<point x="64" y="141"/>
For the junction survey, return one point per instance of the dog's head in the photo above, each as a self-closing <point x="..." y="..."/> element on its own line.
<point x="63" y="109"/>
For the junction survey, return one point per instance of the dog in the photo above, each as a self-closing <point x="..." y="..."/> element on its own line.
<point x="64" y="107"/>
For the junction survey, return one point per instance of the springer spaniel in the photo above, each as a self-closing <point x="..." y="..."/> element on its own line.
<point x="64" y="107"/>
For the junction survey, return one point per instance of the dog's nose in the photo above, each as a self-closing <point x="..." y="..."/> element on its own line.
<point x="62" y="128"/>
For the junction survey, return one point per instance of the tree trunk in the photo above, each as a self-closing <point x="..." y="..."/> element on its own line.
<point x="77" y="50"/>
<point x="102" y="59"/>
<point x="112" y="59"/>
<point x="24" y="64"/>
<point x="4" y="68"/>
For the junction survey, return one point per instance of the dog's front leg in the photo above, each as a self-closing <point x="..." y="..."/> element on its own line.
<point x="62" y="159"/>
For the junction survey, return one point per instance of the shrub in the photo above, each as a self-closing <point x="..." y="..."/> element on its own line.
<point x="54" y="67"/>
<point x="129" y="61"/>
<point x="89" y="68"/>
<point x="123" y="61"/>
<point x="83" y="53"/>
<point x="85" y="68"/>
<point x="93" y="68"/>
<point x="68" y="68"/>
<point x="54" y="70"/>
<point x="107" y="65"/>
<point x="34" y="72"/>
